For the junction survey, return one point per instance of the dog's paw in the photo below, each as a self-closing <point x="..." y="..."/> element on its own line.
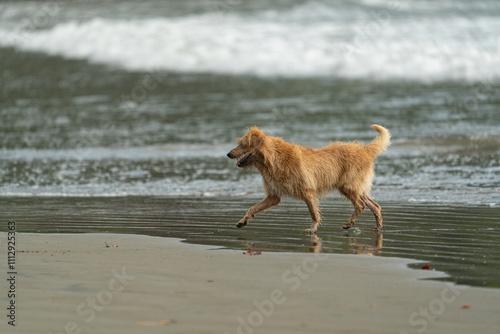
<point x="242" y="223"/>
<point x="377" y="229"/>
<point x="309" y="231"/>
<point x="347" y="226"/>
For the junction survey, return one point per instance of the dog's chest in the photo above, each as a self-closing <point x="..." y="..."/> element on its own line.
<point x="277" y="186"/>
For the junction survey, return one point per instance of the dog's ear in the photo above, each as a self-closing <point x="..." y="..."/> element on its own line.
<point x="256" y="140"/>
<point x="256" y="137"/>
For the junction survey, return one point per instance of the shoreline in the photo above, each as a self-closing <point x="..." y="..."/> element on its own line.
<point x="73" y="283"/>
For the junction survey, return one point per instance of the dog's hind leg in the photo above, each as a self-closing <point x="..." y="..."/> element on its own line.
<point x="358" y="204"/>
<point x="313" y="206"/>
<point x="265" y="204"/>
<point x="375" y="208"/>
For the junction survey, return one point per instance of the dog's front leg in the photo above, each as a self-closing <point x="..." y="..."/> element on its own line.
<point x="312" y="204"/>
<point x="265" y="204"/>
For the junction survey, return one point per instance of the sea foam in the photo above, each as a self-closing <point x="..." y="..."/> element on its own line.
<point x="309" y="40"/>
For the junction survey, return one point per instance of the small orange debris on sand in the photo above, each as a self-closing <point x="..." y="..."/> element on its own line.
<point x="252" y="253"/>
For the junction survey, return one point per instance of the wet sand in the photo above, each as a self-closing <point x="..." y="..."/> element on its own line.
<point x="73" y="283"/>
<point x="459" y="240"/>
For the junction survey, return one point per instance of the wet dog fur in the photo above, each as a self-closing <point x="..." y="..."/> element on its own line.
<point x="303" y="173"/>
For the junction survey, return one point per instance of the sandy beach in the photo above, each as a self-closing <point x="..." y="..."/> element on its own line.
<point x="74" y="283"/>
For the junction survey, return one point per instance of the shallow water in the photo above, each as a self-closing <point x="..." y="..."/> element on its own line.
<point x="118" y="116"/>
<point x="77" y="143"/>
<point x="461" y="241"/>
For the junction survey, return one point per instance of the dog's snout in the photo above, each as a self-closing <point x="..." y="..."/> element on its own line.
<point x="230" y="155"/>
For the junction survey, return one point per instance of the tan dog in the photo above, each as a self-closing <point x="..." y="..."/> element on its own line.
<point x="307" y="174"/>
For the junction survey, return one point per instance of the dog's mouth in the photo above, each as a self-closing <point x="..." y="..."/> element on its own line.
<point x="245" y="160"/>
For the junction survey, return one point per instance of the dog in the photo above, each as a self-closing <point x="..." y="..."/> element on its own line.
<point x="303" y="173"/>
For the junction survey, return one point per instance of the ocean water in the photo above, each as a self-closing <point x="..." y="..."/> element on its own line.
<point x="125" y="99"/>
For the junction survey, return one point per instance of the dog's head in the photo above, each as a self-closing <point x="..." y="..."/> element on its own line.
<point x="248" y="148"/>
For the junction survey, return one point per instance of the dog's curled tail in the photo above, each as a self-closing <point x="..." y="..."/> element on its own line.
<point x="381" y="142"/>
